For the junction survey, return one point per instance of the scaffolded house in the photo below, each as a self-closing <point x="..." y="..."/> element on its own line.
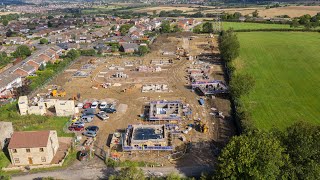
<point x="165" y="110"/>
<point x="146" y="137"/>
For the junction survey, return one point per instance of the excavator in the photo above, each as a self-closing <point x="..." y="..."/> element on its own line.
<point x="58" y="93"/>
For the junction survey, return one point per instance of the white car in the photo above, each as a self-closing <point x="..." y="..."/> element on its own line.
<point x="103" y="105"/>
<point x="80" y="105"/>
<point x="94" y="105"/>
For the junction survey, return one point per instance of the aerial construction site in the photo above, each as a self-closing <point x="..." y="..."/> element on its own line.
<point x="168" y="107"/>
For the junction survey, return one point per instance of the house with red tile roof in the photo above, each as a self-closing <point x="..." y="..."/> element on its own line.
<point x="33" y="147"/>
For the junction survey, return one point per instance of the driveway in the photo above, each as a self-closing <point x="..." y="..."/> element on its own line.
<point x="103" y="172"/>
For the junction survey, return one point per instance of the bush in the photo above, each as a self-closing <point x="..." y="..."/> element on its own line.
<point x="43" y="41"/>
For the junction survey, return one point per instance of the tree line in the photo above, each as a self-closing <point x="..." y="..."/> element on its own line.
<point x="307" y="21"/>
<point x="255" y="154"/>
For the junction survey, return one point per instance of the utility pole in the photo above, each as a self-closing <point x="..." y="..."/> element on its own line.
<point x="217" y="23"/>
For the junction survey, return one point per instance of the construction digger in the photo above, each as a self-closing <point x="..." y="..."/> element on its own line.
<point x="202" y="127"/>
<point x="58" y="93"/>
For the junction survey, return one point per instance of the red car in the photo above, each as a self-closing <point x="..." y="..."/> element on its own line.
<point x="87" y="105"/>
<point x="76" y="128"/>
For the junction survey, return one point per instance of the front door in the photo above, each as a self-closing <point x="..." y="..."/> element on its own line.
<point x="30" y="160"/>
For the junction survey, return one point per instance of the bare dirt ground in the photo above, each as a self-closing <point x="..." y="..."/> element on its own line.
<point x="204" y="145"/>
<point x="6" y="13"/>
<point x="166" y="8"/>
<point x="292" y="11"/>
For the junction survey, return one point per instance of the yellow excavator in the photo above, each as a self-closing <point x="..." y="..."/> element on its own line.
<point x="58" y="93"/>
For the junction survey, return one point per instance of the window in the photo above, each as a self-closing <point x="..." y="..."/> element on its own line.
<point x="16" y="160"/>
<point x="41" y="149"/>
<point x="43" y="159"/>
<point x="28" y="150"/>
<point x="14" y="150"/>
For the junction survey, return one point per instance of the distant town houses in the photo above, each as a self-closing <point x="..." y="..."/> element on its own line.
<point x="85" y="33"/>
<point x="13" y="77"/>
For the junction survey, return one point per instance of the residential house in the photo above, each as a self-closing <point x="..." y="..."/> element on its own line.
<point x="6" y="130"/>
<point x="125" y="40"/>
<point x="25" y="70"/>
<point x="15" y="40"/>
<point x="37" y="62"/>
<point x="33" y="147"/>
<point x="7" y="84"/>
<point x="129" y="47"/>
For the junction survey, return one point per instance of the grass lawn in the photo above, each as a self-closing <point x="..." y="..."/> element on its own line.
<point x="33" y="122"/>
<point x="247" y="25"/>
<point x="4" y="161"/>
<point x="286" y="67"/>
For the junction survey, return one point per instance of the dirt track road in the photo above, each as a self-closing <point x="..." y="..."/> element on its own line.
<point x="103" y="172"/>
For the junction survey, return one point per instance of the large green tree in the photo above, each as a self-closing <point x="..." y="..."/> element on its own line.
<point x="5" y="22"/>
<point x="124" y="29"/>
<point x="229" y="45"/>
<point x="256" y="155"/>
<point x="4" y="59"/>
<point x="302" y="142"/>
<point x="255" y="13"/>
<point x="143" y="50"/>
<point x="207" y="27"/>
<point x="22" y="51"/>
<point x="73" y="54"/>
<point x="165" y="27"/>
<point x="43" y="41"/>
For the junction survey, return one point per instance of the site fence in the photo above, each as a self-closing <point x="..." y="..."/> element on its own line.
<point x="149" y="148"/>
<point x="36" y="90"/>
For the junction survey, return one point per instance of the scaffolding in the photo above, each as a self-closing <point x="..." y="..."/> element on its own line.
<point x="128" y="138"/>
<point x="210" y="87"/>
<point x="165" y="110"/>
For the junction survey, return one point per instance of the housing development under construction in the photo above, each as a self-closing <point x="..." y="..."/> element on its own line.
<point x="165" y="107"/>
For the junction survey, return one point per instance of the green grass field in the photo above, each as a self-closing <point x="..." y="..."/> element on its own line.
<point x="10" y="113"/>
<point x="246" y="25"/>
<point x="286" y="67"/>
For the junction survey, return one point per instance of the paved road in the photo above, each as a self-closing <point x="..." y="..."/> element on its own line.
<point x="103" y="172"/>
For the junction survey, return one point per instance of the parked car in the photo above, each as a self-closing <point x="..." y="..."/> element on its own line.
<point x="87" y="118"/>
<point x="103" y="105"/>
<point x="86" y="105"/>
<point x="80" y="105"/>
<point x="78" y="123"/>
<point x="83" y="155"/>
<point x="76" y="128"/>
<point x="103" y="115"/>
<point x="90" y="133"/>
<point x="109" y="110"/>
<point x="92" y="128"/>
<point x="94" y="105"/>
<point x="89" y="111"/>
